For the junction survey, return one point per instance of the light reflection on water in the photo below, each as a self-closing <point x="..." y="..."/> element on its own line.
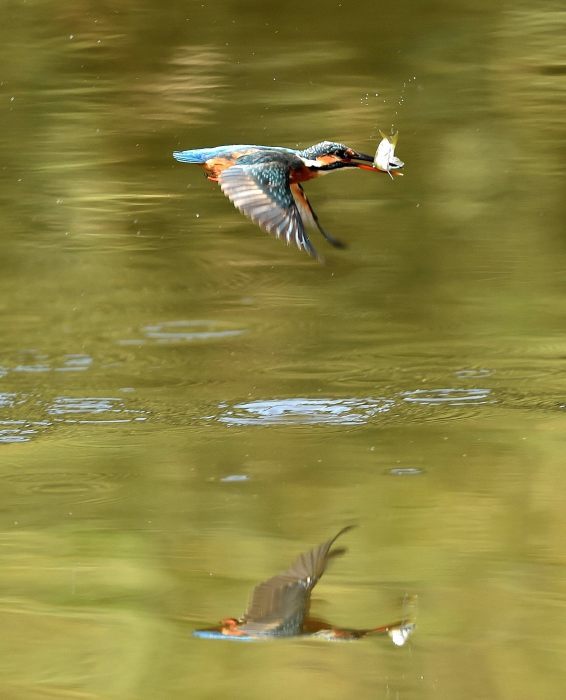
<point x="8" y="399"/>
<point x="179" y="331"/>
<point x="191" y="331"/>
<point x="305" y="411"/>
<point x="344" y="411"/>
<point x="85" y="409"/>
<point x="451" y="397"/>
<point x="23" y="418"/>
<point x="474" y="372"/>
<point x="35" y="361"/>
<point x="20" y="431"/>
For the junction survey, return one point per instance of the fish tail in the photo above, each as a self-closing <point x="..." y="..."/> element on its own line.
<point x="392" y="138"/>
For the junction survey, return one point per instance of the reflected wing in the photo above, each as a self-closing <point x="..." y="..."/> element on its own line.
<point x="262" y="192"/>
<point x="282" y="602"/>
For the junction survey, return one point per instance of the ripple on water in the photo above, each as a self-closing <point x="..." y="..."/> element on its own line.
<point x="75" y="363"/>
<point x="92" y="487"/>
<point x="405" y="471"/>
<point x="8" y="399"/>
<point x="171" y="332"/>
<point x="450" y="397"/>
<point x="474" y="372"/>
<point x="23" y="418"/>
<point x="93" y="409"/>
<point x="20" y="430"/>
<point x="33" y="361"/>
<point x="14" y="428"/>
<point x="304" y="411"/>
<point x="444" y="404"/>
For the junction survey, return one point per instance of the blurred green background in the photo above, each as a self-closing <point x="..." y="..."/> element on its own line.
<point x="186" y="404"/>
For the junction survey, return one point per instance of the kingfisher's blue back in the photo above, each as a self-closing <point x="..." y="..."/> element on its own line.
<point x="201" y="155"/>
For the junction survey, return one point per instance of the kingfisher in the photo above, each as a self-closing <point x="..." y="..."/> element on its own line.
<point x="279" y="607"/>
<point x="264" y="183"/>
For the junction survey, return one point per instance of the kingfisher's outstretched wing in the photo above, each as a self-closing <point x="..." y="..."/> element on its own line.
<point x="280" y="604"/>
<point x="262" y="191"/>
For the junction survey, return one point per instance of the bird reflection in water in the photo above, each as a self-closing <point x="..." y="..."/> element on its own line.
<point x="279" y="607"/>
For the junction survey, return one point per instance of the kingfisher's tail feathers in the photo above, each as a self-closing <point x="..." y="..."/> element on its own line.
<point x="198" y="155"/>
<point x="201" y="155"/>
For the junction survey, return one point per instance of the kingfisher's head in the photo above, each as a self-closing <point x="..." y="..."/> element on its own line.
<point x="327" y="152"/>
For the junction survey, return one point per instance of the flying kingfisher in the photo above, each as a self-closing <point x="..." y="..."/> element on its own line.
<point x="264" y="182"/>
<point x="279" y="607"/>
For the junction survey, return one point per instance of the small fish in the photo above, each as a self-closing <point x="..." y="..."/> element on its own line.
<point x="385" y="158"/>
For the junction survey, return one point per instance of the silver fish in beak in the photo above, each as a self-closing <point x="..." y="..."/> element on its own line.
<point x="385" y="158"/>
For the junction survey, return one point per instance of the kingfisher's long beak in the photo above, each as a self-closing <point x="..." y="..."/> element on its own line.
<point x="391" y="173"/>
<point x="361" y="156"/>
<point x="338" y="164"/>
<point x="355" y="156"/>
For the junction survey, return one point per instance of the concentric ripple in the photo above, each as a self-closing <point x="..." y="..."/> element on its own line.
<point x="305" y="411"/>
<point x="450" y="397"/>
<point x="61" y="483"/>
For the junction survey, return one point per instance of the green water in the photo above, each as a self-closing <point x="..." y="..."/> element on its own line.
<point x="186" y="404"/>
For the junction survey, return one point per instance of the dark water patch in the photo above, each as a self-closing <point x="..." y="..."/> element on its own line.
<point x="305" y="411"/>
<point x="558" y="69"/>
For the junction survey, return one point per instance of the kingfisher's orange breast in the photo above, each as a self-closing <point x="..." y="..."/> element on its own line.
<point x="305" y="173"/>
<point x="302" y="174"/>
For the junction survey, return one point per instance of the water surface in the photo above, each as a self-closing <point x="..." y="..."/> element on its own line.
<point x="186" y="404"/>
